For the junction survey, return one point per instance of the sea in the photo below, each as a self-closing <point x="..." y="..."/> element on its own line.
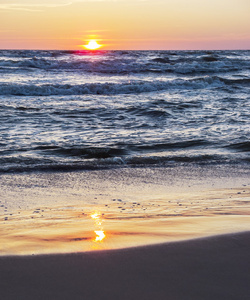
<point x="84" y="110"/>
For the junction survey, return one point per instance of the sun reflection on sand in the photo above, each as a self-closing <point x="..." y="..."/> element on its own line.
<point x="100" y="234"/>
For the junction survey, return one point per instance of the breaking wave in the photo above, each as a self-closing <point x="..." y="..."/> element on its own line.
<point x="125" y="62"/>
<point x="131" y="87"/>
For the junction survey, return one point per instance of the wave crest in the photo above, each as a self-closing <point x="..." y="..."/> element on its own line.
<point x="131" y="87"/>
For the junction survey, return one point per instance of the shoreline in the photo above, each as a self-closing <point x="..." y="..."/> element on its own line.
<point x="216" y="267"/>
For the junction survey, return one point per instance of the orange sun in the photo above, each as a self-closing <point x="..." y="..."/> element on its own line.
<point x="92" y="45"/>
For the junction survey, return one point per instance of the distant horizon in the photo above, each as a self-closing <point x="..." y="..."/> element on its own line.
<point x="103" y="50"/>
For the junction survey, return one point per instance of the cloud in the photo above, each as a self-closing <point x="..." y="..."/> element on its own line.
<point x="33" y="5"/>
<point x="39" y="5"/>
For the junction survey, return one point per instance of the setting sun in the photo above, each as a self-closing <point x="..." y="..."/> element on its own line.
<point x="92" y="45"/>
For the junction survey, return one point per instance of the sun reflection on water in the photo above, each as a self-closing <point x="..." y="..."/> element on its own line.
<point x="100" y="234"/>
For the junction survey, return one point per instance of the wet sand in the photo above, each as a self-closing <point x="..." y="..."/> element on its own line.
<point x="210" y="268"/>
<point x="46" y="213"/>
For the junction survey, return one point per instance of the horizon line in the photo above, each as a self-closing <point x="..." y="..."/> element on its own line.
<point x="102" y="50"/>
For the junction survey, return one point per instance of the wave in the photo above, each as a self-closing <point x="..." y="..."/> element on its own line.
<point x="27" y="165"/>
<point x="117" y="62"/>
<point x="131" y="87"/>
<point x="48" y="157"/>
<point x="119" y="150"/>
<point x="86" y="153"/>
<point x="242" y="147"/>
<point x="173" y="146"/>
<point x="242" y="81"/>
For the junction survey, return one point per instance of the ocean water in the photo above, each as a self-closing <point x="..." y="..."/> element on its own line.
<point x="80" y="110"/>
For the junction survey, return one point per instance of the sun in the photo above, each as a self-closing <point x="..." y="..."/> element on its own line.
<point x="92" y="45"/>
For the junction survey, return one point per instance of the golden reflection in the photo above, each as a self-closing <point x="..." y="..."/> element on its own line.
<point x="100" y="234"/>
<point x="95" y="216"/>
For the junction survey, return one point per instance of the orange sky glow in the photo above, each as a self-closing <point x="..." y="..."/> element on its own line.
<point x="125" y="24"/>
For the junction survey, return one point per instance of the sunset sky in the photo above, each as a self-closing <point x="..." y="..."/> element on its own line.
<point x="125" y="24"/>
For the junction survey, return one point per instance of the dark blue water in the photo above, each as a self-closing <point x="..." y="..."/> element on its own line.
<point x="66" y="110"/>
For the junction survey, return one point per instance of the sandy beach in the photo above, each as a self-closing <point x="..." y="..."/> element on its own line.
<point x="53" y="213"/>
<point x="126" y="234"/>
<point x="211" y="268"/>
